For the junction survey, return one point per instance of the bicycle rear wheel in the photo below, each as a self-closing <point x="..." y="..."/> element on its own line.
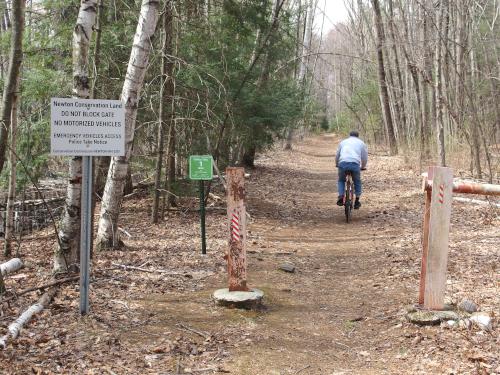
<point x="348" y="211"/>
<point x="348" y="201"/>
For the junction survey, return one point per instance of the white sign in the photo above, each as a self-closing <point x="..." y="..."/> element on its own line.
<point x="87" y="127"/>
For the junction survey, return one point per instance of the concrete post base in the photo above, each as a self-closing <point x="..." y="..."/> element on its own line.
<point x="244" y="300"/>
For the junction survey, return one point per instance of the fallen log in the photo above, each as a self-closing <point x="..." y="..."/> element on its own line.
<point x="16" y="326"/>
<point x="192" y="275"/>
<point x="38" y="201"/>
<point x="189" y="329"/>
<point x="42" y="287"/>
<point x="13" y="265"/>
<point x="134" y="268"/>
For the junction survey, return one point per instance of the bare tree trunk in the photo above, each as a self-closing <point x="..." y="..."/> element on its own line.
<point x="494" y="92"/>
<point x="298" y="39"/>
<point x="460" y="48"/>
<point x="409" y="53"/>
<point x="361" y="27"/>
<point x="117" y="174"/>
<point x="11" y="198"/>
<point x="3" y="29"/>
<point x="66" y="253"/>
<point x="10" y="84"/>
<point x="2" y="284"/>
<point x="303" y="39"/>
<point x="383" y="80"/>
<point x="171" y="152"/>
<point x="165" y="97"/>
<point x="306" y="45"/>
<point x="438" y="84"/>
<point x="475" y="144"/>
<point x="425" y="128"/>
<point x="400" y="95"/>
<point x="428" y="92"/>
<point x="173" y="165"/>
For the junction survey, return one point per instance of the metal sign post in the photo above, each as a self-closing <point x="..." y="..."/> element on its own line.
<point x="86" y="127"/>
<point x="202" y="217"/>
<point x="85" y="233"/>
<point x="201" y="168"/>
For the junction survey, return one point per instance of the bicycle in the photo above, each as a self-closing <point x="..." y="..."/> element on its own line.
<point x="348" y="196"/>
<point x="348" y="200"/>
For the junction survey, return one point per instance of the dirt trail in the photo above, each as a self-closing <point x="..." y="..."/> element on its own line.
<point x="332" y="313"/>
<point x="341" y="312"/>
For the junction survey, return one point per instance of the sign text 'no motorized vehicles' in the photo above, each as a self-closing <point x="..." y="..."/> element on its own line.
<point x="87" y="127"/>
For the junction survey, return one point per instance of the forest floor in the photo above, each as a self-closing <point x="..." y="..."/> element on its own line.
<point x="341" y="312"/>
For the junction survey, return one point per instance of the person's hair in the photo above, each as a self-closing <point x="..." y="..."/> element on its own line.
<point x="354" y="133"/>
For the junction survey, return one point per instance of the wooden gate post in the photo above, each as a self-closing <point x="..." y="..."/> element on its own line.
<point x="436" y="235"/>
<point x="425" y="237"/>
<point x="236" y="216"/>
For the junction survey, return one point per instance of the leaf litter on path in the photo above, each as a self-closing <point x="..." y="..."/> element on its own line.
<point x="342" y="311"/>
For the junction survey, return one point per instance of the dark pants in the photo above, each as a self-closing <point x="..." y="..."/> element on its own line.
<point x="355" y="170"/>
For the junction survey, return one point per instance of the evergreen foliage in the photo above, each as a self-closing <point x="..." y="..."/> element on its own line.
<point x="213" y="79"/>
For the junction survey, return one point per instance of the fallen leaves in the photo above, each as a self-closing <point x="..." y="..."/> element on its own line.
<point x="343" y="308"/>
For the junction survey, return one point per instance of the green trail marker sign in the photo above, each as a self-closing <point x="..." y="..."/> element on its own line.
<point x="200" y="167"/>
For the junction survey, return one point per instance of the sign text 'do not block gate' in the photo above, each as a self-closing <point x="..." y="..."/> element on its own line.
<point x="86" y="128"/>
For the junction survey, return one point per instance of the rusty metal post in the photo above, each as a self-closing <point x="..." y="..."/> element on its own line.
<point x="436" y="259"/>
<point x="236" y="255"/>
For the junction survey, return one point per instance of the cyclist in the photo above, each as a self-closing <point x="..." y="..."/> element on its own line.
<point x="352" y="155"/>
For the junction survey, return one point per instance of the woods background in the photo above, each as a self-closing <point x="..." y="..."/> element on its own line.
<point x="231" y="78"/>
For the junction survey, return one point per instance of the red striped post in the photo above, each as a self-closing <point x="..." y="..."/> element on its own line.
<point x="436" y="236"/>
<point x="236" y="255"/>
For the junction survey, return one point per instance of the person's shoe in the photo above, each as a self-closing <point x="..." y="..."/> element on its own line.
<point x="340" y="201"/>
<point x="357" y="204"/>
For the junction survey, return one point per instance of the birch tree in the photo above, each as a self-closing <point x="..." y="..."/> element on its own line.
<point x="117" y="174"/>
<point x="66" y="252"/>
<point x="11" y="197"/>
<point x="10" y="84"/>
<point x="16" y="57"/>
